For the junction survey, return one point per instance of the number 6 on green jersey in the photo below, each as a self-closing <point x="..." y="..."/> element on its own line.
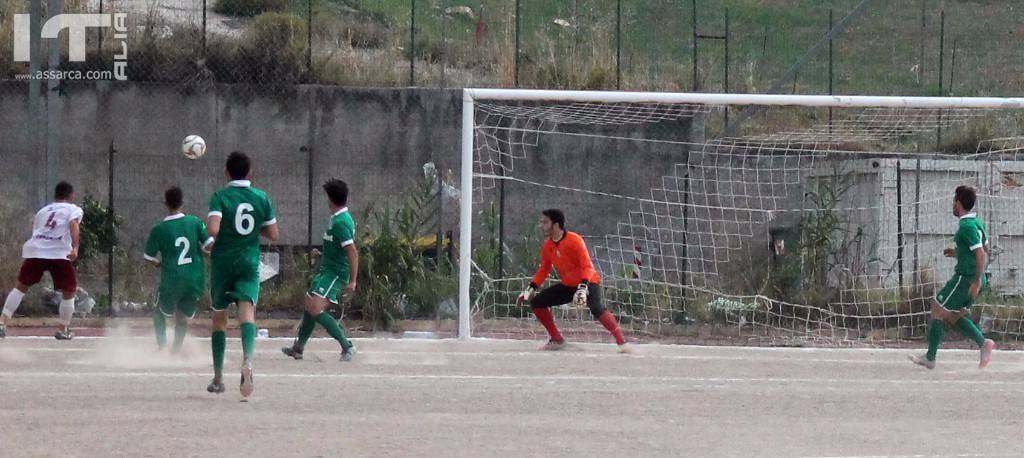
<point x="235" y="259"/>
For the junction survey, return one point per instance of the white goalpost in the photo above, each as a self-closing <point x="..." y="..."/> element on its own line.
<point x="818" y="218"/>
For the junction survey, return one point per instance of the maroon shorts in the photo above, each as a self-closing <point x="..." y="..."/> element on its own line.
<point x="61" y="271"/>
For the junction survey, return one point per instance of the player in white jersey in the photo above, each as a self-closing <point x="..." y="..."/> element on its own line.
<point x="53" y="248"/>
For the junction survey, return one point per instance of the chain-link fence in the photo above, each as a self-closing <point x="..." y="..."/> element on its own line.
<point x="119" y="146"/>
<point x="910" y="48"/>
<point x="184" y="60"/>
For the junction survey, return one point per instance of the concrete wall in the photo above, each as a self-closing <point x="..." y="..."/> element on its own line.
<point x="376" y="139"/>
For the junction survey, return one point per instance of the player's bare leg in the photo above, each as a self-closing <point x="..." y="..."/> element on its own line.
<point x="67" y="310"/>
<point x="160" y="328"/>
<point x="247" y="324"/>
<point x="180" y="331"/>
<point x="986" y="353"/>
<point x="11" y="305"/>
<point x="315" y="313"/>
<point x="936" y="329"/>
<point x="217" y="343"/>
<point x="306" y="327"/>
<point x="555" y="340"/>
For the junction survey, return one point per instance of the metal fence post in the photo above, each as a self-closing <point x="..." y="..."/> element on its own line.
<point x="515" y="62"/>
<point x="112" y="214"/>
<point x="694" y="21"/>
<point x="309" y="41"/>
<point x="830" y="71"/>
<point x="99" y="43"/>
<point x="618" y="44"/>
<point x="725" y="78"/>
<point x="942" y="43"/>
<point x="412" y="42"/>
<point x="204" y="28"/>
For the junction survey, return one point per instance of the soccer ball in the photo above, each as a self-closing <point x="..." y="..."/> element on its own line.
<point x="193" y="147"/>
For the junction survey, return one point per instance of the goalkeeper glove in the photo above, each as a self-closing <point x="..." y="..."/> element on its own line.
<point x="526" y="295"/>
<point x="580" y="298"/>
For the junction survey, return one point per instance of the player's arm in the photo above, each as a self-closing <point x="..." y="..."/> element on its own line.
<point x="270" y="232"/>
<point x="152" y="251"/>
<point x="345" y="234"/>
<point x="538" y="278"/>
<point x="203" y="236"/>
<point x="587" y="272"/>
<point x="269" y="229"/>
<point x="215" y="216"/>
<point x="75" y="226"/>
<point x="981" y="259"/>
<point x="353" y="263"/>
<point x="973" y="239"/>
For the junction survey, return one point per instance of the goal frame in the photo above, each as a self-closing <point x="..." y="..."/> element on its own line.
<point x="471" y="95"/>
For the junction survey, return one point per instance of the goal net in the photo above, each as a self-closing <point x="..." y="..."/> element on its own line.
<point x="779" y="218"/>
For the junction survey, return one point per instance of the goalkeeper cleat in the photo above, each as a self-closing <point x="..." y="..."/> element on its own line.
<point x="922" y="361"/>
<point x="625" y="348"/>
<point x="64" y="335"/>
<point x="986" y="352"/>
<point x="293" y="351"/>
<point x="215" y="386"/>
<point x="245" y="386"/>
<point x="554" y="345"/>
<point x="348" y="353"/>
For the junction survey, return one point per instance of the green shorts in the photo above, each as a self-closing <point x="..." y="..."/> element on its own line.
<point x="328" y="285"/>
<point x="234" y="283"/>
<point x="170" y="300"/>
<point x="956" y="294"/>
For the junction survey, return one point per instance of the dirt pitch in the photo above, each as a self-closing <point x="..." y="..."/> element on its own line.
<point x="112" y="396"/>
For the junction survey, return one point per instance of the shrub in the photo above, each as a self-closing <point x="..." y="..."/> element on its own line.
<point x="98" y="230"/>
<point x="249" y="8"/>
<point x="274" y="51"/>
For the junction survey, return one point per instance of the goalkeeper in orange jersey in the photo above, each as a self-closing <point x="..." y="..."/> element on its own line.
<point x="581" y="284"/>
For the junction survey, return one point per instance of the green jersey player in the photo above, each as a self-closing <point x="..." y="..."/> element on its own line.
<point x="336" y="275"/>
<point x="953" y="301"/>
<point x="176" y="246"/>
<point x="239" y="215"/>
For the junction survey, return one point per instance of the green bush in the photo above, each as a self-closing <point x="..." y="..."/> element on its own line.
<point x="98" y="230"/>
<point x="249" y="8"/>
<point x="274" y="51"/>
<point x="397" y="280"/>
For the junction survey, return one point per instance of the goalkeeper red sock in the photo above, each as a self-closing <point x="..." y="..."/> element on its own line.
<point x="548" y="320"/>
<point x="612" y="325"/>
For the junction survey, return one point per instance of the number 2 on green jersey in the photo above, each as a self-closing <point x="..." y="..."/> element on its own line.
<point x="183" y="258"/>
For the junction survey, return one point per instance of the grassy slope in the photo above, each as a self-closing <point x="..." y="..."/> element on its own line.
<point x="766" y="36"/>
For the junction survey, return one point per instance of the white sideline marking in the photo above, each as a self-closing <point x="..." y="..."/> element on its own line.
<point x="965" y="455"/>
<point x="513" y="342"/>
<point x="559" y="378"/>
<point x="536" y="353"/>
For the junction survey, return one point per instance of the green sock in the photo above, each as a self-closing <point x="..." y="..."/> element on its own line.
<point x="935" y="332"/>
<point x="248" y="340"/>
<point x="971" y="330"/>
<point x="218" y="342"/>
<point x="180" y="330"/>
<point x="305" y="329"/>
<point x="160" y="326"/>
<point x="331" y="325"/>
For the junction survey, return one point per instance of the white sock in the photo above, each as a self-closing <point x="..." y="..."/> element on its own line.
<point x="12" y="303"/>
<point x="67" y="308"/>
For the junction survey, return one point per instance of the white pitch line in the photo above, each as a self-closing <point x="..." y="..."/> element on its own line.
<point x="513" y="342"/>
<point x="965" y="455"/>
<point x="549" y="378"/>
<point x="893" y="361"/>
